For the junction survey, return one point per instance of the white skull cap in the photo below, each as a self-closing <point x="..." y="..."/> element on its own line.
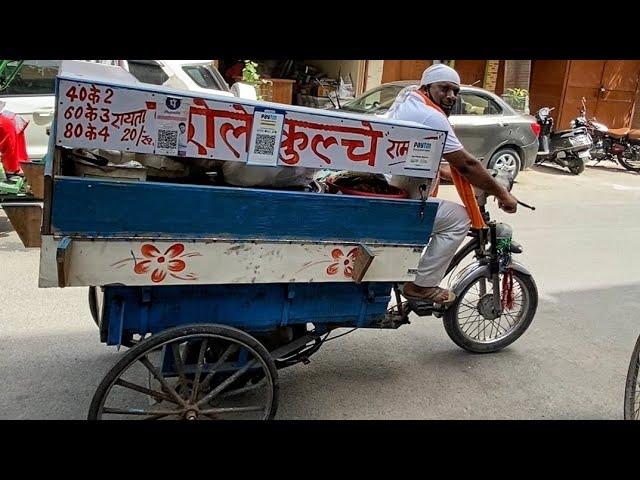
<point x="440" y="73"/>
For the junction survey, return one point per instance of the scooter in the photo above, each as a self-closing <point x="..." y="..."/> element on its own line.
<point x="567" y="148"/>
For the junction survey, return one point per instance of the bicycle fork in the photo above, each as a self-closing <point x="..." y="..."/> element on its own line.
<point x="491" y="259"/>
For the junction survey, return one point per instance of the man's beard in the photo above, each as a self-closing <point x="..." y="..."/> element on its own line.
<point x="445" y="109"/>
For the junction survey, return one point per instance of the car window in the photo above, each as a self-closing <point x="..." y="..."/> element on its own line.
<point x="476" y="104"/>
<point x="378" y="99"/>
<point x="147" y="71"/>
<point x="35" y="77"/>
<point x="206" y="77"/>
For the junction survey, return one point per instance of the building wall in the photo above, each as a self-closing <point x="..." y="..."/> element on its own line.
<point x="517" y="74"/>
<point x="491" y="75"/>
<point x="374" y="74"/>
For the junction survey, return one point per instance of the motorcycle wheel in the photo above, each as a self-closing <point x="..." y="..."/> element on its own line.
<point x="632" y="163"/>
<point x="576" y="166"/>
<point x="469" y="321"/>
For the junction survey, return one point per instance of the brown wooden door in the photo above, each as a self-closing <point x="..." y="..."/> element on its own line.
<point x="546" y="85"/>
<point x="471" y="71"/>
<point x="394" y="70"/>
<point x="617" y="94"/>
<point x="583" y="80"/>
<point x="609" y="88"/>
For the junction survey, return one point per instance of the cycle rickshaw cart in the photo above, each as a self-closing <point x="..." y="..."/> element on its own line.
<point x="214" y="288"/>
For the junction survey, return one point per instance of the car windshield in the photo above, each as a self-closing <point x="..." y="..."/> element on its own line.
<point x="206" y="77"/>
<point x="377" y="100"/>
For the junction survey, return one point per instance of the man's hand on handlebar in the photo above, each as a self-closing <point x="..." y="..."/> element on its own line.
<point x="508" y="203"/>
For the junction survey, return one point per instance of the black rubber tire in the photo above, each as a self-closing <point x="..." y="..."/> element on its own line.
<point x="632" y="384"/>
<point x="627" y="165"/>
<point x="452" y="326"/>
<point x="93" y="305"/>
<point x="576" y="166"/>
<point x="175" y="333"/>
<point x="510" y="151"/>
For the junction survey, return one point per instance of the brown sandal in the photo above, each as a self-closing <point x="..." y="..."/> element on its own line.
<point x="436" y="295"/>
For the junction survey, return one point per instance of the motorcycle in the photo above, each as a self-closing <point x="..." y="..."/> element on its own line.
<point x="620" y="145"/>
<point x="567" y="148"/>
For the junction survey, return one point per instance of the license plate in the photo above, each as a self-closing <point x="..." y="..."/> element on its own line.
<point x="584" y="154"/>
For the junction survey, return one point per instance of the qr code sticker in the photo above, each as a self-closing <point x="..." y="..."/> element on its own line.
<point x="167" y="139"/>
<point x="264" y="144"/>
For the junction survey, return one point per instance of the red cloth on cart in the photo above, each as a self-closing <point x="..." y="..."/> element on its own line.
<point x="13" y="147"/>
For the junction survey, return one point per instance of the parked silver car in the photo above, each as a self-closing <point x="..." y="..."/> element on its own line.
<point x="488" y="127"/>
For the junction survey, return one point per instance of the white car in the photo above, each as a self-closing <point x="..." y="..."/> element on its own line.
<point x="31" y="93"/>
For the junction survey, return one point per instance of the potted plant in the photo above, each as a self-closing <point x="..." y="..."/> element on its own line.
<point x="518" y="98"/>
<point x="251" y="76"/>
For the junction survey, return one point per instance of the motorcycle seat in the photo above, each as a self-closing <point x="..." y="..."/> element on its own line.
<point x="618" y="132"/>
<point x="563" y="132"/>
<point x="634" y="134"/>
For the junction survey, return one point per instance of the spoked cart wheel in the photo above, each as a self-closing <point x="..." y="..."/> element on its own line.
<point x="632" y="387"/>
<point x="195" y="372"/>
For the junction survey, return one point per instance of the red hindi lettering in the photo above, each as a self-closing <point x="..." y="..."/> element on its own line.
<point x="94" y="94"/>
<point x="90" y="133"/>
<point x="326" y="143"/>
<point x="397" y="148"/>
<point x="91" y="114"/>
<point x="370" y="156"/>
<point x="237" y="131"/>
<point x="289" y="143"/>
<point x="146" y="139"/>
<point x="201" y="108"/>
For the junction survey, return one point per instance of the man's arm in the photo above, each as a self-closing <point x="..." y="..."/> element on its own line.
<point x="470" y="168"/>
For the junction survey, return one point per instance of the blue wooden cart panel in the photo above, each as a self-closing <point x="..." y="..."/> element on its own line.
<point x="253" y="308"/>
<point x="106" y="208"/>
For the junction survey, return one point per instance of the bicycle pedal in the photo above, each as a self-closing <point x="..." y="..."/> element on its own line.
<point x="422" y="309"/>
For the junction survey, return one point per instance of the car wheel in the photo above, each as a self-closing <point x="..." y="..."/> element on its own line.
<point x="506" y="160"/>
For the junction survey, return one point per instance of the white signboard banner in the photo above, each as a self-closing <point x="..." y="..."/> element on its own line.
<point x="97" y="115"/>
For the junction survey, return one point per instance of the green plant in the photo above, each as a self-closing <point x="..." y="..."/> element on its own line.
<point x="518" y="92"/>
<point x="250" y="75"/>
<point x="518" y="97"/>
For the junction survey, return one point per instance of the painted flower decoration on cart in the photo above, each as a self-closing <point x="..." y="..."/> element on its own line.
<point x="171" y="262"/>
<point x="342" y="261"/>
